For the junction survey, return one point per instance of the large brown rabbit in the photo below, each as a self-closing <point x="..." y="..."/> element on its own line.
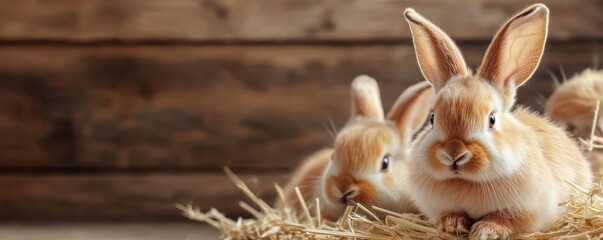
<point x="481" y="166"/>
<point x="573" y="103"/>
<point x="368" y="162"/>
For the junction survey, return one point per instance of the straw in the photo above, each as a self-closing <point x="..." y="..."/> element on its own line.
<point x="593" y="141"/>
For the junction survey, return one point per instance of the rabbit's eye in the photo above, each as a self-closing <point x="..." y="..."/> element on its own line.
<point x="431" y="116"/>
<point x="385" y="162"/>
<point x="491" y="120"/>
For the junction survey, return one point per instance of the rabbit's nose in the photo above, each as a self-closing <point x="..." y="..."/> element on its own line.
<point x="349" y="194"/>
<point x="345" y="183"/>
<point x="454" y="153"/>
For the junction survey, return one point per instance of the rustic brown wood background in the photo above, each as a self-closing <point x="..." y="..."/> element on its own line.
<point x="117" y="110"/>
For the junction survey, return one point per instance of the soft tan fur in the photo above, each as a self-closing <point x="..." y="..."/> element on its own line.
<point x="573" y="104"/>
<point x="354" y="164"/>
<point x="306" y="177"/>
<point x="500" y="179"/>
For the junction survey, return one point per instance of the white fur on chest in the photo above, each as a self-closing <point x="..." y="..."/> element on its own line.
<point x="479" y="200"/>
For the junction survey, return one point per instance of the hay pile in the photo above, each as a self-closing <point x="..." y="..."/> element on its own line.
<point x="582" y="219"/>
<point x="270" y="223"/>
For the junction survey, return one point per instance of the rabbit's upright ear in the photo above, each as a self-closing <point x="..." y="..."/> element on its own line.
<point x="366" y="101"/>
<point x="516" y="50"/>
<point x="439" y="58"/>
<point x="411" y="110"/>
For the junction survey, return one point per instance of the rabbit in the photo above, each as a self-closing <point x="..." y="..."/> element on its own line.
<point x="367" y="164"/>
<point x="573" y="103"/>
<point x="479" y="167"/>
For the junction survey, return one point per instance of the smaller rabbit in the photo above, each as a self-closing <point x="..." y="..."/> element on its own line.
<point x="368" y="162"/>
<point x="482" y="166"/>
<point x="573" y="103"/>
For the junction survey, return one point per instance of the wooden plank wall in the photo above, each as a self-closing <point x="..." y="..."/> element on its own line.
<point x="117" y="110"/>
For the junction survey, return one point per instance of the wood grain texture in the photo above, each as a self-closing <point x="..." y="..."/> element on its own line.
<point x="275" y="20"/>
<point x="124" y="197"/>
<point x="200" y="108"/>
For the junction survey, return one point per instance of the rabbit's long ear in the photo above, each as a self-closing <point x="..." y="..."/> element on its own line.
<point x="439" y="58"/>
<point x="366" y="101"/>
<point x="516" y="50"/>
<point x="411" y="110"/>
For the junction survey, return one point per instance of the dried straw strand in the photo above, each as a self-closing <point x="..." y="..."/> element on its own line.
<point x="304" y="206"/>
<point x="593" y="141"/>
<point x="318" y="222"/>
